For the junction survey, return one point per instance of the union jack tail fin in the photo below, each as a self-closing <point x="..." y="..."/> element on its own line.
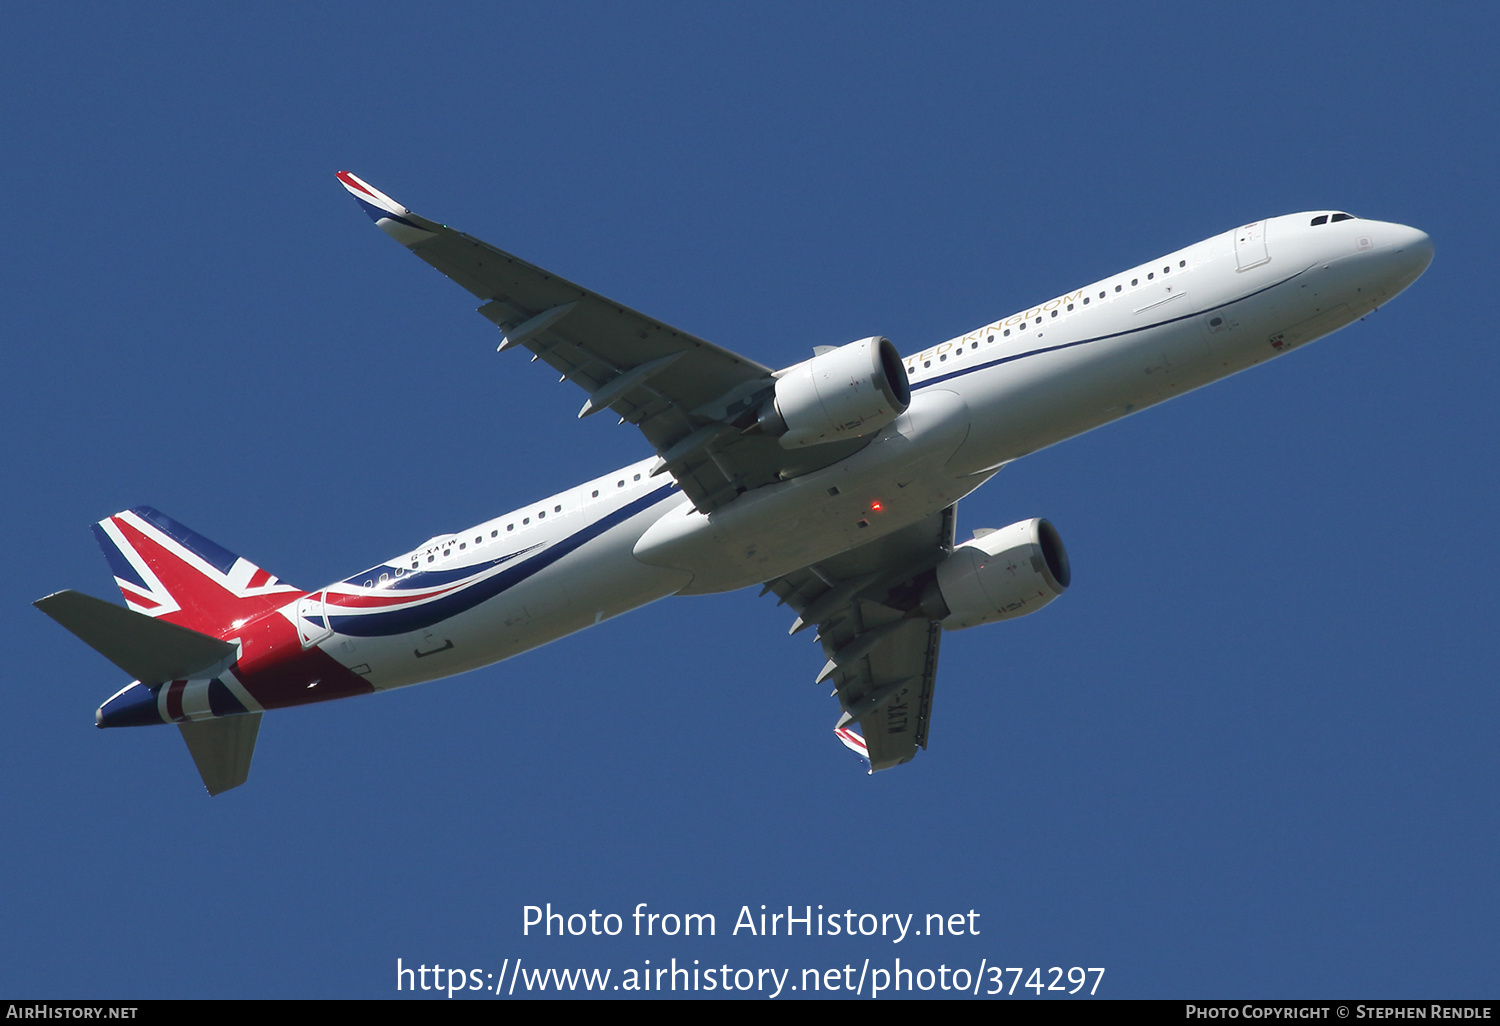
<point x="169" y="571"/>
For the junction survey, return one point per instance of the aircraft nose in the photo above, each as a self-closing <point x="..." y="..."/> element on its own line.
<point x="1413" y="250"/>
<point x="1399" y="255"/>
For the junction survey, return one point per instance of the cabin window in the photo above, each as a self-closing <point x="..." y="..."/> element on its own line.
<point x="525" y="520"/>
<point x="1150" y="276"/>
<point x="975" y="345"/>
<point x="495" y="534"/>
<point x="430" y="558"/>
<point x="596" y="493"/>
<point x="510" y="527"/>
<point x="541" y="514"/>
<point x="1119" y="287"/>
<point x="461" y="545"/>
<point x="557" y="509"/>
<point x="1007" y="333"/>
<point x="1135" y="281"/>
<point x="1167" y="269"/>
<point x="637" y="477"/>
<point x="1070" y="307"/>
<point x="620" y="483"/>
<point x="990" y="339"/>
<point x="926" y="363"/>
<point x="1023" y="325"/>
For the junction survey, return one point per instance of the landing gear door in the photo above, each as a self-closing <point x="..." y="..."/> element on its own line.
<point x="1250" y="246"/>
<point x="312" y="620"/>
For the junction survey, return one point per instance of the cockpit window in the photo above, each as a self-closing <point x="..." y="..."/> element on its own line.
<point x="1320" y="219"/>
<point x="1341" y="217"/>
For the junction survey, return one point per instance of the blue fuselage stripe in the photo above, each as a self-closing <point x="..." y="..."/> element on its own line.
<point x="417" y="617"/>
<point x="997" y="361"/>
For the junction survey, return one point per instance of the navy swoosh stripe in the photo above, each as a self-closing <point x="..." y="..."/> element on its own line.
<point x="416" y="580"/>
<point x="971" y="368"/>
<point x="415" y="618"/>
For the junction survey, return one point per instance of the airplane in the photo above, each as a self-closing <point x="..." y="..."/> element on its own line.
<point x="832" y="483"/>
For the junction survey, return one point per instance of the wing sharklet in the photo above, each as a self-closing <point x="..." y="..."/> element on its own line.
<point x="856" y="744"/>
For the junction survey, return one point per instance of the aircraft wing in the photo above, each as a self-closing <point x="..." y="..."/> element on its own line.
<point x="882" y="651"/>
<point x="691" y="399"/>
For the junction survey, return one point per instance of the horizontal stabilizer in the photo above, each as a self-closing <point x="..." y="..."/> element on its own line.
<point x="221" y="749"/>
<point x="150" y="650"/>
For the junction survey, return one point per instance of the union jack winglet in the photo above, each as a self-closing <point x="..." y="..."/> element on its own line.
<point x="391" y="217"/>
<point x="855" y="744"/>
<point x="167" y="570"/>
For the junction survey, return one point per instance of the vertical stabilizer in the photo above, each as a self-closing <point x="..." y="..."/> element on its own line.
<point x="166" y="570"/>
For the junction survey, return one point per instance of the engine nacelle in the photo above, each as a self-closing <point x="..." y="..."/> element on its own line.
<point x="846" y="393"/>
<point x="1000" y="576"/>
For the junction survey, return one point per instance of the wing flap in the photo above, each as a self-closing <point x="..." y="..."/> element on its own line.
<point x="882" y="650"/>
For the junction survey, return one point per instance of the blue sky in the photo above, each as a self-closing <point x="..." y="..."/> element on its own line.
<point x="1250" y="753"/>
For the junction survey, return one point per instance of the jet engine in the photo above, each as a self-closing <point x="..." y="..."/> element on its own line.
<point x="999" y="575"/>
<point x="845" y="393"/>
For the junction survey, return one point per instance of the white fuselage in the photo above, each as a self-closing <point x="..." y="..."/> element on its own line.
<point x="990" y="396"/>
